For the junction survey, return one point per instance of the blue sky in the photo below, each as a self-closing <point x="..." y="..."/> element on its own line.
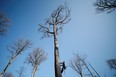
<point x="87" y="32"/>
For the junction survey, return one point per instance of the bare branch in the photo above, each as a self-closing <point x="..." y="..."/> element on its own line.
<point x="112" y="63"/>
<point x="21" y="71"/>
<point x="94" y="70"/>
<point x="45" y="30"/>
<point x="4" y="23"/>
<point x="105" y="5"/>
<point x="79" y="65"/>
<point x="19" y="46"/>
<point x="16" y="49"/>
<point x="59" y="17"/>
<point x="35" y="58"/>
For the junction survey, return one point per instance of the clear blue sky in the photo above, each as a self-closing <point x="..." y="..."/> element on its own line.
<point x="87" y="32"/>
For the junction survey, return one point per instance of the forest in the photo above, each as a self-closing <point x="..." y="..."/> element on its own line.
<point x="57" y="38"/>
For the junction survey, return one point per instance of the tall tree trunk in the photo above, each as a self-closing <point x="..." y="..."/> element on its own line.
<point x="34" y="71"/>
<point x="9" y="63"/>
<point x="56" y="56"/>
<point x="81" y="74"/>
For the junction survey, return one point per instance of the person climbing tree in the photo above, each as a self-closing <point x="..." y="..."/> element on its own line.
<point x="63" y="66"/>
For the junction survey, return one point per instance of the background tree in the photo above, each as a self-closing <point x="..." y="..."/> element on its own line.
<point x="79" y="65"/>
<point x="16" y="49"/>
<point x="21" y="71"/>
<point x="8" y="75"/>
<point x="112" y="64"/>
<point x="4" y="23"/>
<point x="105" y="5"/>
<point x="35" y="58"/>
<point x="53" y="27"/>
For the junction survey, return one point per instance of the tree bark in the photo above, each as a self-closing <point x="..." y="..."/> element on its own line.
<point x="9" y="63"/>
<point x="56" y="55"/>
<point x="81" y="74"/>
<point x="34" y="71"/>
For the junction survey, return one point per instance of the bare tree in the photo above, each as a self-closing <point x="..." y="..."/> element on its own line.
<point x="21" y="71"/>
<point x="35" y="58"/>
<point x="79" y="65"/>
<point x="8" y="75"/>
<point x="53" y="27"/>
<point x="16" y="49"/>
<point x="105" y="5"/>
<point x="112" y="63"/>
<point x="4" y="23"/>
